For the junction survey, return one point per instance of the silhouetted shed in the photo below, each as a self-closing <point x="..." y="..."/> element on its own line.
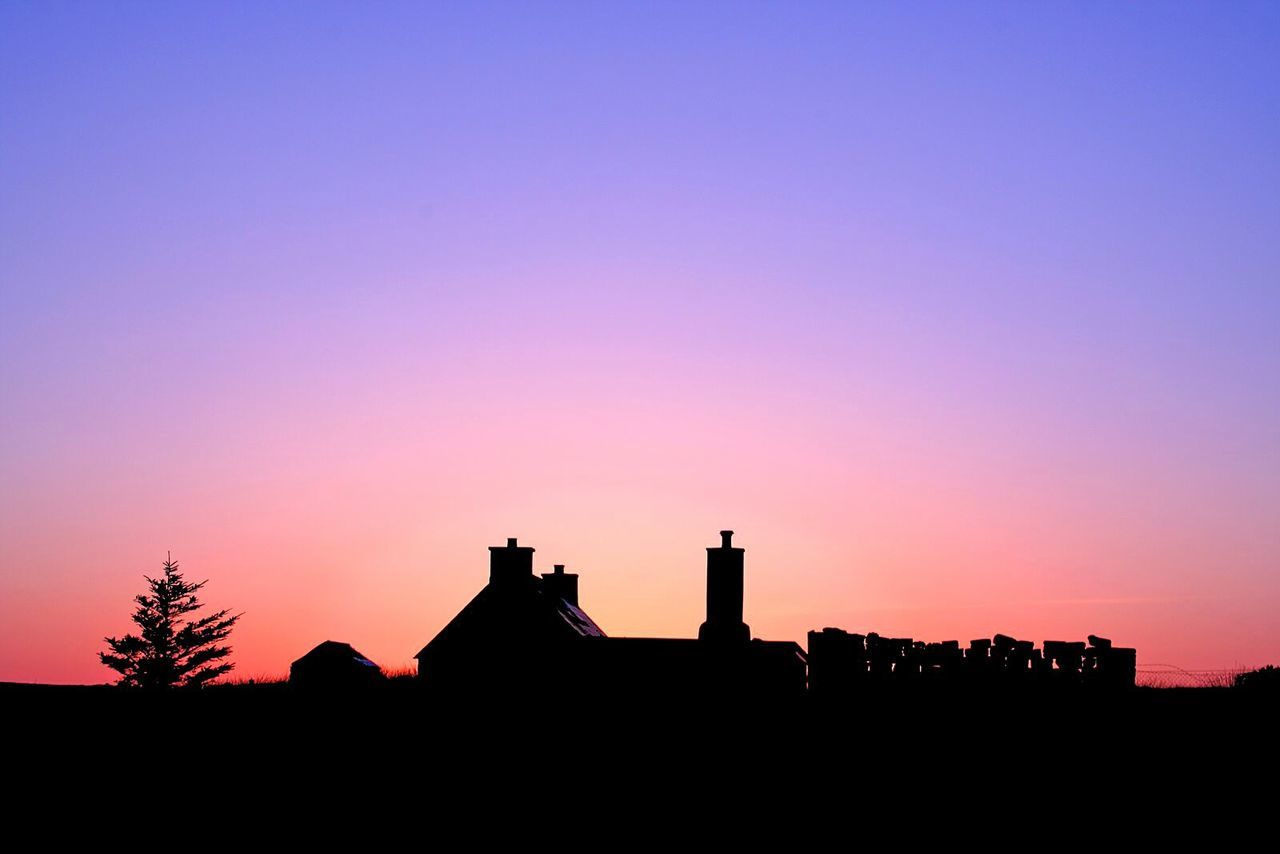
<point x="333" y="664"/>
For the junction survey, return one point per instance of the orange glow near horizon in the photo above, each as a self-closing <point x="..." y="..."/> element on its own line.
<point x="380" y="551"/>
<point x="965" y="322"/>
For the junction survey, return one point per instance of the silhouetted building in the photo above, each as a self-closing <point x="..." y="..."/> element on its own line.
<point x="525" y="632"/>
<point x="514" y="633"/>
<point x="528" y="633"/>
<point x="334" y="665"/>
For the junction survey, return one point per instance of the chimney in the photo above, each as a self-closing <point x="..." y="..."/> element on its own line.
<point x="510" y="564"/>
<point x="724" y="595"/>
<point x="561" y="584"/>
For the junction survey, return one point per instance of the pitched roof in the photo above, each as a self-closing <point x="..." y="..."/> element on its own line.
<point x="334" y="651"/>
<point x="521" y="612"/>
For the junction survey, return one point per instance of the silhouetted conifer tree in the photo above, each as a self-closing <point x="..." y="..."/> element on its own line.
<point x="171" y="650"/>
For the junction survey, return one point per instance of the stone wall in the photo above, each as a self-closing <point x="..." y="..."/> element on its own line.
<point x="840" y="662"/>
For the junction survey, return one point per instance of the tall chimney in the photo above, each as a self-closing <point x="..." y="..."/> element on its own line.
<point x="561" y="584"/>
<point x="510" y="564"/>
<point x="724" y="595"/>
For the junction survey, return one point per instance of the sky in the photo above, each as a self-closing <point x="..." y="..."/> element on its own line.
<point x="964" y="316"/>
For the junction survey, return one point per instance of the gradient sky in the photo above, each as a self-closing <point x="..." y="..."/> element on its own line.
<point x="966" y="317"/>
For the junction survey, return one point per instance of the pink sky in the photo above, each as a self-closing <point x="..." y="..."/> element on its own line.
<point x="330" y="508"/>
<point x="964" y="321"/>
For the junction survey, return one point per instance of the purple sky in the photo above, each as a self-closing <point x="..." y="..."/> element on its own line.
<point x="965" y="316"/>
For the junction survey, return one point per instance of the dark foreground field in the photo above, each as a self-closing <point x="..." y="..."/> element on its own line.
<point x="878" y="728"/>
<point x="917" y="761"/>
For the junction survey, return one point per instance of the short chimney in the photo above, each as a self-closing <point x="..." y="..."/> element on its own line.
<point x="509" y="564"/>
<point x="724" y="594"/>
<point x="561" y="584"/>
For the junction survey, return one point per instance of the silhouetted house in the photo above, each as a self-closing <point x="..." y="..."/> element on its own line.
<point x="334" y="665"/>
<point x="513" y="633"/>
<point x="525" y="632"/>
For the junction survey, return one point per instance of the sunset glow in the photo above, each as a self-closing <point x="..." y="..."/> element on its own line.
<point x="965" y="323"/>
